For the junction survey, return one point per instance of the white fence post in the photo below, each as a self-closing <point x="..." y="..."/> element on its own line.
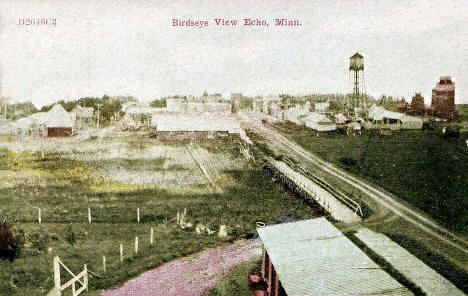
<point x="104" y="263"/>
<point x="89" y="215"/>
<point x="138" y="215"/>
<point x="136" y="244"/>
<point x="39" y="218"/>
<point x="85" y="277"/>
<point x="57" y="274"/>
<point x="151" y="235"/>
<point x="121" y="252"/>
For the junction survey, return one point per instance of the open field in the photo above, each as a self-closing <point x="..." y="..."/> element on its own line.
<point x="76" y="175"/>
<point x="462" y="113"/>
<point x="237" y="283"/>
<point x="421" y="167"/>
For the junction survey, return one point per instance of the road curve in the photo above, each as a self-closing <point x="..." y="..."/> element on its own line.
<point x="385" y="199"/>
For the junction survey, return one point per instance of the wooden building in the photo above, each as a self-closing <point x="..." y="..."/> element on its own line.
<point x="312" y="257"/>
<point x="58" y="122"/>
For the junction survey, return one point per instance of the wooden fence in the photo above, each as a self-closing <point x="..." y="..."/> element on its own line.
<point x="80" y="280"/>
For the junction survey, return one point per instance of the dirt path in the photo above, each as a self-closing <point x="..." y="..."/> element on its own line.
<point x="190" y="276"/>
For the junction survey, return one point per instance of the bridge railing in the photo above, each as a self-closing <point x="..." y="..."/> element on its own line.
<point x="333" y="191"/>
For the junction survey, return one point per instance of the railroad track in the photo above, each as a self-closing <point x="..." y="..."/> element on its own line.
<point x="388" y="202"/>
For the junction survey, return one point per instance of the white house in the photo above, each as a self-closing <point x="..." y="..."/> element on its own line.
<point x="322" y="107"/>
<point x="340" y="118"/>
<point x="383" y="118"/>
<point x="318" y="122"/>
<point x="296" y="114"/>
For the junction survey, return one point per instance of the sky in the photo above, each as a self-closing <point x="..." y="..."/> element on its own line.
<point x="132" y="48"/>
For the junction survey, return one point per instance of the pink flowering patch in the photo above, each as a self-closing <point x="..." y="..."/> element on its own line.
<point x="189" y="276"/>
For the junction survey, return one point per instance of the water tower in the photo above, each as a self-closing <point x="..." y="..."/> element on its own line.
<point x="356" y="69"/>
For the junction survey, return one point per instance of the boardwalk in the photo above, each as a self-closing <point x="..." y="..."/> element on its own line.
<point x="430" y="282"/>
<point x="192" y="275"/>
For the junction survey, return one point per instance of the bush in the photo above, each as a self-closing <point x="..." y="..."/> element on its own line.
<point x="39" y="241"/>
<point x="451" y="131"/>
<point x="70" y="236"/>
<point x="430" y="125"/>
<point x="8" y="244"/>
<point x="348" y="161"/>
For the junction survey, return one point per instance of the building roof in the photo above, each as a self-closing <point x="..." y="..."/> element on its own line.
<point x="85" y="112"/>
<point x="312" y="257"/>
<point x="59" y="117"/>
<point x="322" y="106"/>
<point x="143" y="110"/>
<point x="356" y="55"/>
<point x="316" y="117"/>
<point x="379" y="113"/>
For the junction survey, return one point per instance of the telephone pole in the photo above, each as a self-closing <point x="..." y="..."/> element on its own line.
<point x="98" y="115"/>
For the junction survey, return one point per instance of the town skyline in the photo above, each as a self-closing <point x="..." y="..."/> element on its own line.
<point x="132" y="49"/>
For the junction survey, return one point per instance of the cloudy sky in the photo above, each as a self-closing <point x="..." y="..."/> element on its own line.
<point x="131" y="48"/>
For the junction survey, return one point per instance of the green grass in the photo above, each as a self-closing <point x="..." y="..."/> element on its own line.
<point x="237" y="284"/>
<point x="421" y="167"/>
<point x="462" y="112"/>
<point x="64" y="188"/>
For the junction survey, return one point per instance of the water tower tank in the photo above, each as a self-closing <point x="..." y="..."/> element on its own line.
<point x="356" y="62"/>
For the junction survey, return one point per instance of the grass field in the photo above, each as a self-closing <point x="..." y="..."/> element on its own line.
<point x="67" y="181"/>
<point x="421" y="167"/>
<point x="462" y="112"/>
<point x="237" y="284"/>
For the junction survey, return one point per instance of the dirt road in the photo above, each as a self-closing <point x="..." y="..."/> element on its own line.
<point x="193" y="275"/>
<point x="387" y="206"/>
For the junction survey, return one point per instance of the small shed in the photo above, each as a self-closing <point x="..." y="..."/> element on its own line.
<point x="312" y="257"/>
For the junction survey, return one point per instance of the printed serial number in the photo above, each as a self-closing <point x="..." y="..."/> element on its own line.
<point x="37" y="21"/>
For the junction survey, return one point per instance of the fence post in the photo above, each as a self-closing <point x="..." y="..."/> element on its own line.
<point x="89" y="215"/>
<point x="39" y="216"/>
<point x="121" y="252"/>
<point x="136" y="244"/>
<point x="138" y="215"/>
<point x="104" y="263"/>
<point x="151" y="235"/>
<point x="85" y="277"/>
<point x="57" y="274"/>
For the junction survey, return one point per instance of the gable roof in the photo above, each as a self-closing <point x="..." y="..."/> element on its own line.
<point x="58" y="117"/>
<point x="316" y="117"/>
<point x="356" y="55"/>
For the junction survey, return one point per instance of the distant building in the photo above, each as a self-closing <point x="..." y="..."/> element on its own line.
<point x="296" y="114"/>
<point x="322" y="107"/>
<point x="403" y="107"/>
<point x="82" y="116"/>
<point x="417" y="106"/>
<point x="318" y="122"/>
<point x="200" y="122"/>
<point x="379" y="117"/>
<point x="59" y="122"/>
<point x="340" y="118"/>
<point x="443" y="98"/>
<point x="198" y="105"/>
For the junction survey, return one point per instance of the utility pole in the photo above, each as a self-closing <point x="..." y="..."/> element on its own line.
<point x="98" y="115"/>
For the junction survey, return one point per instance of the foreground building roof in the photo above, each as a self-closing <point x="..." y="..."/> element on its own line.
<point x="312" y="257"/>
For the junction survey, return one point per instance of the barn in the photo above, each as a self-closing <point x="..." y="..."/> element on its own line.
<point x="59" y="122"/>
